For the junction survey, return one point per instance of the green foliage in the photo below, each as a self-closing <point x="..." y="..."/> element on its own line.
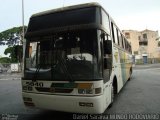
<point x="5" y="60"/>
<point x="11" y="33"/>
<point x="11" y="36"/>
<point x="15" y="53"/>
<point x="8" y="50"/>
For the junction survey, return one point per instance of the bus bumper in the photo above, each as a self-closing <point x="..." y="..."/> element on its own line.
<point x="76" y="104"/>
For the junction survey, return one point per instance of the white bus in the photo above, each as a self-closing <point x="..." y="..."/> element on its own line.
<point x="76" y="60"/>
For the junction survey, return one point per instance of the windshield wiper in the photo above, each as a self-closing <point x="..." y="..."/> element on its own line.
<point x="39" y="66"/>
<point x="36" y="73"/>
<point x="65" y="68"/>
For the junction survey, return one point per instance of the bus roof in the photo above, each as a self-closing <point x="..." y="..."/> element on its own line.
<point x="66" y="8"/>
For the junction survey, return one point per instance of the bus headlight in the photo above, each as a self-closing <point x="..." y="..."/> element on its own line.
<point x="98" y="90"/>
<point x="85" y="91"/>
<point x="88" y="88"/>
<point x="90" y="91"/>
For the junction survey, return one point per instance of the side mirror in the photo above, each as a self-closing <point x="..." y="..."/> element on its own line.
<point x="107" y="63"/>
<point x="107" y="47"/>
<point x="58" y="43"/>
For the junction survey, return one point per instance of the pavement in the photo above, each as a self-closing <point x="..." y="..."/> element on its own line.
<point x="147" y="67"/>
<point x="10" y="76"/>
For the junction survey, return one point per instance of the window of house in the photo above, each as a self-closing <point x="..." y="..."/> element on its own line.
<point x="139" y="37"/>
<point x="135" y="52"/>
<point x="143" y="43"/>
<point x="145" y="36"/>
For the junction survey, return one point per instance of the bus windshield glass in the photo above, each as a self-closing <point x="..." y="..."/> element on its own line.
<point x="63" y="56"/>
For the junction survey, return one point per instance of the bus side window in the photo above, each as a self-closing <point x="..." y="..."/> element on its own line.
<point x="122" y="42"/>
<point x="125" y="41"/>
<point x="118" y="39"/>
<point x="130" y="49"/>
<point x="112" y="32"/>
<point x="127" y="46"/>
<point x="115" y="35"/>
<point x="105" y="21"/>
<point x="107" y="46"/>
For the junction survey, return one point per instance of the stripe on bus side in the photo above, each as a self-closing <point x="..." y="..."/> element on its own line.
<point x="123" y="66"/>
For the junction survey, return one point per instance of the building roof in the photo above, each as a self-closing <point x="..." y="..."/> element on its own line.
<point x="146" y="30"/>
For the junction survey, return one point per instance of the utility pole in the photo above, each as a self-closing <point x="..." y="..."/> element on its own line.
<point x="23" y="20"/>
<point x="23" y="41"/>
<point x="63" y="3"/>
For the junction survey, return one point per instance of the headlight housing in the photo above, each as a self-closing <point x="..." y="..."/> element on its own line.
<point x="85" y="91"/>
<point x="88" y="89"/>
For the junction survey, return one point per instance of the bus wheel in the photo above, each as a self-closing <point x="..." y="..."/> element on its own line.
<point x="130" y="74"/>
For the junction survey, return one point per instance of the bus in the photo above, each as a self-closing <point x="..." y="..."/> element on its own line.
<point x="76" y="60"/>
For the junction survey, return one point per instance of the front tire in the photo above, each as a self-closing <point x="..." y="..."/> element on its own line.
<point x="130" y="74"/>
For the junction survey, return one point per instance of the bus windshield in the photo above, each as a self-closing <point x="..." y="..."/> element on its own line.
<point x="63" y="56"/>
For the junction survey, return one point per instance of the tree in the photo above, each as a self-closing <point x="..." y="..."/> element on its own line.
<point x="13" y="38"/>
<point x="5" y="60"/>
<point x="11" y="51"/>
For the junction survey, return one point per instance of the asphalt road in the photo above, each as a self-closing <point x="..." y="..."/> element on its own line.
<point x="140" y="95"/>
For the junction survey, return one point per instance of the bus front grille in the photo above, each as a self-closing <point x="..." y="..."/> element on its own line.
<point x="53" y="90"/>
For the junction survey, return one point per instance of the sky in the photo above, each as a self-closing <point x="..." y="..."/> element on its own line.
<point x="127" y="14"/>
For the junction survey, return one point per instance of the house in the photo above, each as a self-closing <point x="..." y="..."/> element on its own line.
<point x="145" y="47"/>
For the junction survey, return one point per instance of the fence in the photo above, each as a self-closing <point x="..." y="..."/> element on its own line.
<point x="10" y="67"/>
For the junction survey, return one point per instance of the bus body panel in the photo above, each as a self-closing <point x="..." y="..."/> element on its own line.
<point x="95" y="104"/>
<point x="107" y="93"/>
<point x="122" y="63"/>
<point x="69" y="103"/>
<point x="116" y="65"/>
<point x="46" y="87"/>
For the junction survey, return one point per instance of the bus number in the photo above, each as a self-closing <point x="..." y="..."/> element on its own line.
<point x="36" y="84"/>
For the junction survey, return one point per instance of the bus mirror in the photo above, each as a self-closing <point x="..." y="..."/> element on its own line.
<point x="102" y="35"/>
<point x="58" y="43"/>
<point x="107" y="47"/>
<point x="107" y="63"/>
